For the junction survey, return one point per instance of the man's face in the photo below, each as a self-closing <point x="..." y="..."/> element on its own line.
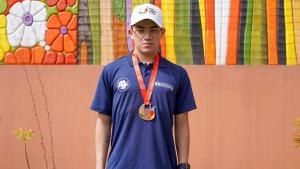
<point x="146" y="36"/>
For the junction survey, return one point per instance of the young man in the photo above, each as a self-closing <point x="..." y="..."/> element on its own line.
<point x="138" y="96"/>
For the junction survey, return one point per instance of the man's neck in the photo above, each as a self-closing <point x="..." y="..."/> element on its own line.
<point x="145" y="58"/>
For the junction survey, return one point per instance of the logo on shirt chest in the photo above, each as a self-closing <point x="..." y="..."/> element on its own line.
<point x="123" y="84"/>
<point x="164" y="85"/>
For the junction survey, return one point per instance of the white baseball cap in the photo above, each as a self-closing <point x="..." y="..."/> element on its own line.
<point x="146" y="11"/>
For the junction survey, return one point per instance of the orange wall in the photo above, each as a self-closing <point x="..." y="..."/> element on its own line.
<point x="244" y="118"/>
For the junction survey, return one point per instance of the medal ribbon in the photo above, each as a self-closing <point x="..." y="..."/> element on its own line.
<point x="146" y="93"/>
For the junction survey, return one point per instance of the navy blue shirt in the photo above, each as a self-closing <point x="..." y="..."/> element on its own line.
<point x="135" y="143"/>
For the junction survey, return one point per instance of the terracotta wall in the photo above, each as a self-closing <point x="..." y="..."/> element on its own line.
<point x="244" y="118"/>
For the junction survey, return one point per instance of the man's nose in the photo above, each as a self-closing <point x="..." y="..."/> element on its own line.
<point x="147" y="34"/>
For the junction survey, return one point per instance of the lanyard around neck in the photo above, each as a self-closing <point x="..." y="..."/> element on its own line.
<point x="146" y="93"/>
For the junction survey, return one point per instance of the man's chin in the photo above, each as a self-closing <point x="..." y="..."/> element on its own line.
<point x="149" y="51"/>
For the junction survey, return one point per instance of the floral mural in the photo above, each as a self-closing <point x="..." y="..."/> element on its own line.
<point x="62" y="32"/>
<point x="38" y="31"/>
<point x="200" y="32"/>
<point x="61" y="5"/>
<point x="26" y="23"/>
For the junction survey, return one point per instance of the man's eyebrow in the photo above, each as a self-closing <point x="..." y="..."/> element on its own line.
<point x="154" y="27"/>
<point x="137" y="26"/>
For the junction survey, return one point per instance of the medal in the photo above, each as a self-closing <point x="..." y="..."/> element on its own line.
<point x="146" y="111"/>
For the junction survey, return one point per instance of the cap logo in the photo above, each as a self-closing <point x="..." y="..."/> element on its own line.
<point x="148" y="10"/>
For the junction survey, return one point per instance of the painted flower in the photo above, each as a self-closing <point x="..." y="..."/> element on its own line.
<point x="62" y="32"/>
<point x="59" y="58"/>
<point x="25" y="56"/>
<point x="4" y="45"/>
<point x="61" y="5"/>
<point x="26" y="23"/>
<point x="38" y="55"/>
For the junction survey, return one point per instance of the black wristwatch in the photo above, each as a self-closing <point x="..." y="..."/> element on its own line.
<point x="183" y="166"/>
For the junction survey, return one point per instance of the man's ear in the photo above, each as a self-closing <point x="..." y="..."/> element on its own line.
<point x="130" y="33"/>
<point x="163" y="31"/>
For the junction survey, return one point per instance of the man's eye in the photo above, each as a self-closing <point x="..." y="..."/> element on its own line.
<point x="141" y="31"/>
<point x="153" y="30"/>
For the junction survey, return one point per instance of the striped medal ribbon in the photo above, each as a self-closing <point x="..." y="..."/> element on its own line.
<point x="146" y="110"/>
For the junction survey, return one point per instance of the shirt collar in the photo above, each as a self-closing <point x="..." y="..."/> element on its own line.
<point x="162" y="61"/>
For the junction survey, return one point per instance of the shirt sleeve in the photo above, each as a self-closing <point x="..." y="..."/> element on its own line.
<point x="102" y="102"/>
<point x="184" y="98"/>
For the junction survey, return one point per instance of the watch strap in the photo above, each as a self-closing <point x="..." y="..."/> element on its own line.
<point x="183" y="166"/>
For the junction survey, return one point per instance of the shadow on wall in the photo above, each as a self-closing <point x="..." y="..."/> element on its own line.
<point x="44" y="130"/>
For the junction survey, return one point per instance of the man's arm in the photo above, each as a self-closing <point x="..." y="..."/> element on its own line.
<point x="182" y="137"/>
<point x="103" y="133"/>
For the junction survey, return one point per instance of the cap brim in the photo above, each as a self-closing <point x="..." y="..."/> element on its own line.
<point x="146" y="18"/>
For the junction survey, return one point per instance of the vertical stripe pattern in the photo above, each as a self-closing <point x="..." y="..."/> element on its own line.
<point x="210" y="32"/>
<point x="196" y="33"/>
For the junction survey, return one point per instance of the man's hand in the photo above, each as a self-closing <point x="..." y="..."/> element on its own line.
<point x="102" y="137"/>
<point x="182" y="137"/>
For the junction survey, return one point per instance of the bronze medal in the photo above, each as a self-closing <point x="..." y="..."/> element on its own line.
<point x="147" y="112"/>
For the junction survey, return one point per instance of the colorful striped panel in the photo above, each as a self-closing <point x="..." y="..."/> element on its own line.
<point x="296" y="17"/>
<point x="163" y="50"/>
<point x="157" y="3"/>
<point x="203" y="23"/>
<point x="196" y="33"/>
<point x="167" y="7"/>
<point x="258" y="44"/>
<point x="242" y="27"/>
<point x="248" y="31"/>
<point x="281" y="33"/>
<point x="218" y="29"/>
<point x="221" y="29"/>
<point x="119" y="38"/>
<point x="210" y="51"/>
<point x="84" y="53"/>
<point x="264" y="38"/>
<point x="94" y="14"/>
<point x="233" y="32"/>
<point x="272" y="32"/>
<point x="182" y="33"/>
<point x="289" y="33"/>
<point x="224" y="30"/>
<point x="106" y="32"/>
